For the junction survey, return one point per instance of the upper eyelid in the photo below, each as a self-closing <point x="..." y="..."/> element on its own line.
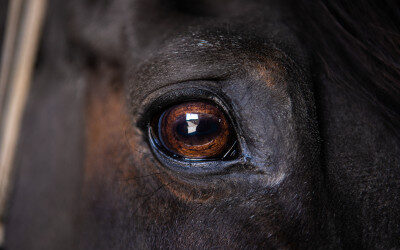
<point x="168" y="94"/>
<point x="152" y="75"/>
<point x="203" y="83"/>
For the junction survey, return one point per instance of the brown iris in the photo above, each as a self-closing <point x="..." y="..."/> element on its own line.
<point x="194" y="130"/>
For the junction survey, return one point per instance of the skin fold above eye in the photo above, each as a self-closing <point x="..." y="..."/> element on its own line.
<point x="194" y="130"/>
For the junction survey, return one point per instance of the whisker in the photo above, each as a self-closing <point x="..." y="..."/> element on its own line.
<point x="151" y="195"/>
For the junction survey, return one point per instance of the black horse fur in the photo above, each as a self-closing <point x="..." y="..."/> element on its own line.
<point x="313" y="91"/>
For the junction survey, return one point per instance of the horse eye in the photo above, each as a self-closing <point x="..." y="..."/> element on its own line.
<point x="194" y="130"/>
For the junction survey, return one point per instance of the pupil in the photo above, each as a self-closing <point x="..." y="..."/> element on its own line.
<point x="197" y="128"/>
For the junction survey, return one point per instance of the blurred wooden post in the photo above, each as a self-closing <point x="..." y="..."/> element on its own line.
<point x="19" y="54"/>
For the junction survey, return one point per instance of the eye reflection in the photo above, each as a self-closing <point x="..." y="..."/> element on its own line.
<point x="194" y="130"/>
<point x="192" y="121"/>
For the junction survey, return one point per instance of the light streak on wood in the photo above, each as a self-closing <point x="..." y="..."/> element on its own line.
<point x="13" y="17"/>
<point x="19" y="75"/>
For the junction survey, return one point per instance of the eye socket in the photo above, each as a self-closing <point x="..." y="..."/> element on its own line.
<point x="194" y="130"/>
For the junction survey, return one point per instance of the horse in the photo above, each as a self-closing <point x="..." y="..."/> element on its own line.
<point x="211" y="124"/>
